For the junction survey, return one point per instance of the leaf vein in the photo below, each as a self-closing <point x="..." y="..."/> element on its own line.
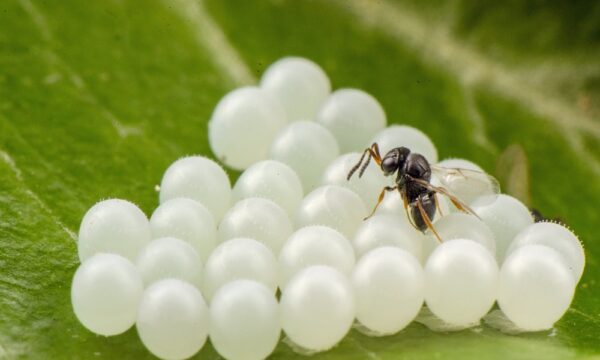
<point x="209" y="35"/>
<point x="438" y="47"/>
<point x="32" y="195"/>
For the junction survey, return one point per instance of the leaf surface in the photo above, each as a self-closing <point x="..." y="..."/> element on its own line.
<point x="98" y="98"/>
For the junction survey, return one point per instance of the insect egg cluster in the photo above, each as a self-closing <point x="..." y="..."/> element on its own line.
<point x="285" y="254"/>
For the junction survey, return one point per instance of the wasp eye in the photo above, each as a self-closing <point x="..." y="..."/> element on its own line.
<point x="389" y="164"/>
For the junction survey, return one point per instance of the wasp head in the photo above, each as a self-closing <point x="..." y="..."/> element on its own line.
<point x="394" y="160"/>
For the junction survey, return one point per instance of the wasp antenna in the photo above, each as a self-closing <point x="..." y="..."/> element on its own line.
<point x="355" y="167"/>
<point x="353" y="170"/>
<point x="364" y="167"/>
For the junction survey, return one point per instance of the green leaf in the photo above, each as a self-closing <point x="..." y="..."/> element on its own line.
<point x="97" y="98"/>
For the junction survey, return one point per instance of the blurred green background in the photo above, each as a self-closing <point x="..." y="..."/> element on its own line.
<point x="97" y="98"/>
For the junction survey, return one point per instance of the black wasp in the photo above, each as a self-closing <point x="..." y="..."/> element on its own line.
<point x="413" y="182"/>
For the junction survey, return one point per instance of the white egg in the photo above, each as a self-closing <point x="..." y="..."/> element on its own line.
<point x="113" y="226"/>
<point x="306" y="147"/>
<point x="271" y="180"/>
<point x="188" y="220"/>
<point x="240" y="258"/>
<point x="333" y="206"/>
<point x="403" y="135"/>
<point x="435" y="324"/>
<point x="258" y="219"/>
<point x="244" y="321"/>
<point x="243" y="125"/>
<point x="460" y="164"/>
<point x="314" y="245"/>
<point x="353" y="116"/>
<point x="317" y="308"/>
<point x="461" y="281"/>
<point x="557" y="237"/>
<point x="497" y="320"/>
<point x="169" y="257"/>
<point x="368" y="187"/>
<point x="468" y="187"/>
<point x="198" y="178"/>
<point x="389" y="286"/>
<point x="505" y="216"/>
<point x="388" y="230"/>
<point x="536" y="287"/>
<point x="299" y="84"/>
<point x="105" y="294"/>
<point x="172" y="320"/>
<point x="462" y="226"/>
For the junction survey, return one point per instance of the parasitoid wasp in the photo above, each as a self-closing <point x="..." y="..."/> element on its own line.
<point x="414" y="184"/>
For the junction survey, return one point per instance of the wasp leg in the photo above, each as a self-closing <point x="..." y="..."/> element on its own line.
<point x="427" y="219"/>
<point x="461" y="207"/>
<point x="381" y="196"/>
<point x="372" y="152"/>
<point x="455" y="201"/>
<point x="437" y="204"/>
<point x="410" y="220"/>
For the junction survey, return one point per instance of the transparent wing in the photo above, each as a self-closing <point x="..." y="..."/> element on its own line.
<point x="459" y="204"/>
<point x="466" y="184"/>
